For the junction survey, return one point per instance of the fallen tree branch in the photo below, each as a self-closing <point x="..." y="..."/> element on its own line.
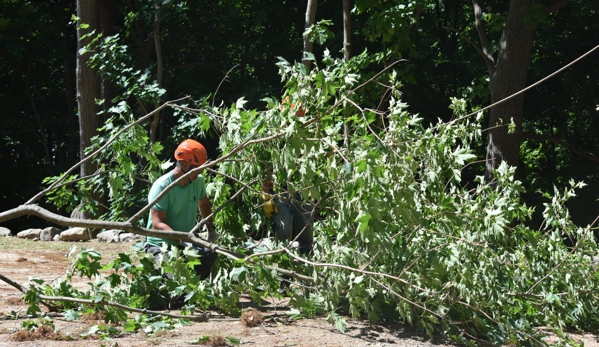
<point x="202" y="318"/>
<point x="220" y="208"/>
<point x="35" y="210"/>
<point x="24" y="291"/>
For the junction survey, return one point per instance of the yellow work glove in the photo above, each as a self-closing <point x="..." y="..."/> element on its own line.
<point x="269" y="206"/>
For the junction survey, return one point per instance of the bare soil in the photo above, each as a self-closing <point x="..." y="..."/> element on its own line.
<point x="268" y="325"/>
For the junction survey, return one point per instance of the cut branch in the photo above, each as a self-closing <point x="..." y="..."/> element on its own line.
<point x="42" y="213"/>
<point x="23" y="290"/>
<point x="35" y="210"/>
<point x="202" y="318"/>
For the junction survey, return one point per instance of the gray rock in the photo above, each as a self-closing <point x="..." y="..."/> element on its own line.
<point x="75" y="234"/>
<point x="4" y="231"/>
<point x="49" y="233"/>
<point x="109" y="236"/>
<point x="126" y="237"/>
<point x="31" y="234"/>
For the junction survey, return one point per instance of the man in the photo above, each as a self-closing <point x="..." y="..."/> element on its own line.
<point x="291" y="218"/>
<point x="177" y="209"/>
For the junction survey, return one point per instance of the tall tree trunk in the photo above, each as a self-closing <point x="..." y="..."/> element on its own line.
<point x="70" y="114"/>
<point x="347" y="41"/>
<point x="107" y="18"/>
<point x="347" y="37"/>
<point x="509" y="76"/>
<point x="310" y="19"/>
<point x="88" y="88"/>
<point x="154" y="126"/>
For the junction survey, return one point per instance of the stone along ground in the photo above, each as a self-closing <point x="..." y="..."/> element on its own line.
<point x="21" y="259"/>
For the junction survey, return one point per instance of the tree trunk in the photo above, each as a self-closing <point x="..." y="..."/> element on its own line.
<point x="347" y="38"/>
<point x="88" y="88"/>
<point x="309" y="21"/>
<point x="154" y="126"/>
<point x="508" y="77"/>
<point x="70" y="115"/>
<point x="107" y="18"/>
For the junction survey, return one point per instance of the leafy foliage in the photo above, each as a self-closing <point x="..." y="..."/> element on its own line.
<point x="402" y="233"/>
<point x="400" y="227"/>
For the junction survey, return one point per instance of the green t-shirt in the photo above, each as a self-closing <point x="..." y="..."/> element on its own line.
<point x="181" y="205"/>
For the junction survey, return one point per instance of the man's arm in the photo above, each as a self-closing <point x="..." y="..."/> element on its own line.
<point x="158" y="218"/>
<point x="205" y="211"/>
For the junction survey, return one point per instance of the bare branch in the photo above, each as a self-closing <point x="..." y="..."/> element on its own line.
<point x="40" y="212"/>
<point x="24" y="291"/>
<point x="221" y="82"/>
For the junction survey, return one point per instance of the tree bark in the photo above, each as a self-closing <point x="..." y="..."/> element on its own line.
<point x="310" y="19"/>
<point x="107" y="18"/>
<point x="70" y="115"/>
<point x="88" y="87"/>
<point x="155" y="125"/>
<point x="509" y="76"/>
<point x="347" y="38"/>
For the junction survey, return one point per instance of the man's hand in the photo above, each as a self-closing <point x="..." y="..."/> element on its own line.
<point x="210" y="236"/>
<point x="213" y="236"/>
<point x="205" y="211"/>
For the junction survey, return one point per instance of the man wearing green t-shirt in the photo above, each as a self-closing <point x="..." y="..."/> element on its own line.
<point x="178" y="208"/>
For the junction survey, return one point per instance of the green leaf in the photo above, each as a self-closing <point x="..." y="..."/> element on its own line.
<point x="71" y="315"/>
<point x="238" y="274"/>
<point x="130" y="326"/>
<point x="233" y="341"/>
<point x="363" y="219"/>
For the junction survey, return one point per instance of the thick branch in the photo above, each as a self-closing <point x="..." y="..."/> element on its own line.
<point x="35" y="210"/>
<point x="42" y="213"/>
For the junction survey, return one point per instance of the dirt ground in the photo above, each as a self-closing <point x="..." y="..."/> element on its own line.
<point x="22" y="259"/>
